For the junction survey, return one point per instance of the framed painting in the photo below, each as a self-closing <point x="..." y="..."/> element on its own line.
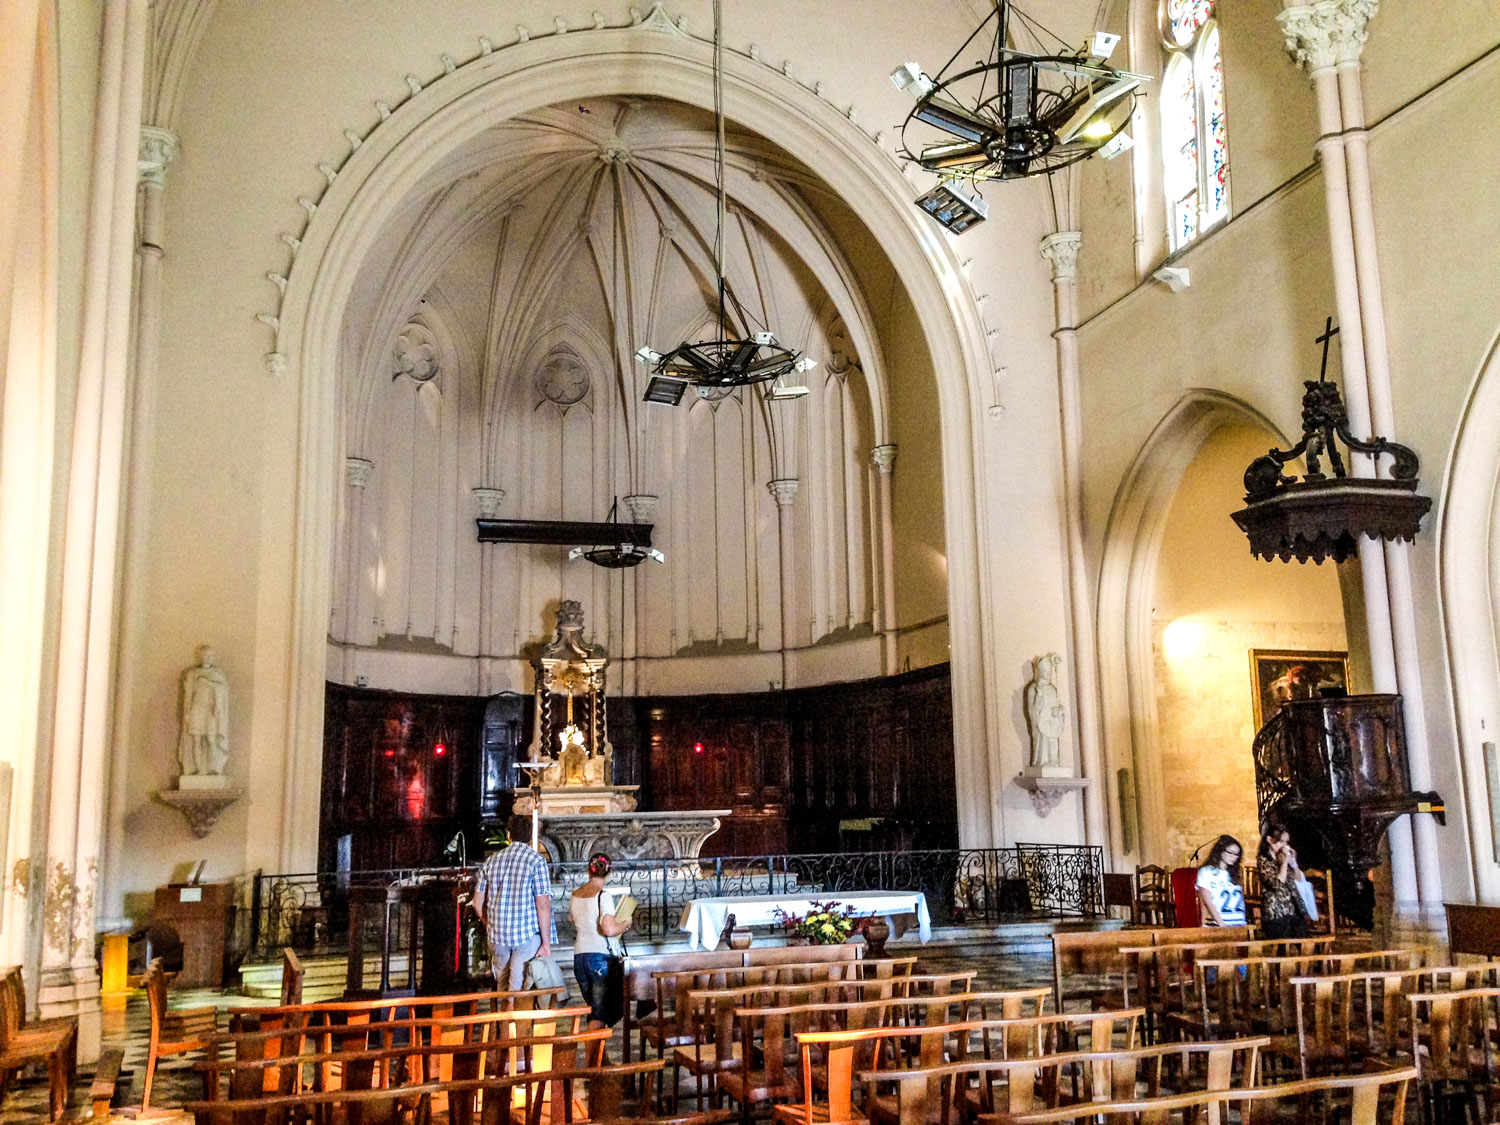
<point x="1277" y="675"/>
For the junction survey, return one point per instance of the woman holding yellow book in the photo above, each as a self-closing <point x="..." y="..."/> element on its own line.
<point x="600" y="916"/>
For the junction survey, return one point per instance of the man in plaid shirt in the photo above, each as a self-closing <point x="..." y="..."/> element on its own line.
<point x="512" y="893"/>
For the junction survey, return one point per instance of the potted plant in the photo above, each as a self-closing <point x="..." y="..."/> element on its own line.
<point x="827" y="923"/>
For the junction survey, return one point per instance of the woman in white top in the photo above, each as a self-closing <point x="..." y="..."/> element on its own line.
<point x="1219" y="893"/>
<point x="592" y="909"/>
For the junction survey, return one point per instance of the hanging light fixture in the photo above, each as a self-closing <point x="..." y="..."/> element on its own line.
<point x="626" y="551"/>
<point x="1016" y="114"/>
<point x="724" y="362"/>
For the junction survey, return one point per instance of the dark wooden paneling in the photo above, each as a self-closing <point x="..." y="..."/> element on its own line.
<point x="847" y="767"/>
<point x="793" y="765"/>
<point x="387" y="786"/>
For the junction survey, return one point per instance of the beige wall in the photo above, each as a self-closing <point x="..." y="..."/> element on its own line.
<point x="1261" y="287"/>
<point x="1230" y="603"/>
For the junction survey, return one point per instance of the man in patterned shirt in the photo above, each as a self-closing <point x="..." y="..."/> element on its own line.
<point x="512" y="893"/>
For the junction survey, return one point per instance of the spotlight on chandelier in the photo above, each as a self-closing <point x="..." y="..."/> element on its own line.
<point x="724" y="362"/>
<point x="1016" y="114"/>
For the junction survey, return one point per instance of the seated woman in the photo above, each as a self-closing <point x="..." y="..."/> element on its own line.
<point x="1219" y="893"/>
<point x="1282" y="913"/>
<point x="592" y="909"/>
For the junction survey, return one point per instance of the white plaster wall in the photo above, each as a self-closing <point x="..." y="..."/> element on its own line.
<point x="268" y="98"/>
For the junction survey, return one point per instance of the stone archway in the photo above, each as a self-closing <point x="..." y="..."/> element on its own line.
<point x="1128" y="567"/>
<point x="631" y="61"/>
<point x="1469" y="576"/>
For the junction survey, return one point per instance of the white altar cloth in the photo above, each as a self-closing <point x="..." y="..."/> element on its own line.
<point x="704" y="918"/>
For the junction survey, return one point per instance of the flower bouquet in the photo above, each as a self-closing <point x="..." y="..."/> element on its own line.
<point x="827" y="923"/>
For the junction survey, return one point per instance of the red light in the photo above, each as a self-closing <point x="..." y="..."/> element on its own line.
<point x="440" y="749"/>
<point x="390" y="753"/>
<point x="697" y="748"/>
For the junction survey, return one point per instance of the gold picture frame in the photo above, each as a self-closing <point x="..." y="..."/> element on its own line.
<point x="1271" y="668"/>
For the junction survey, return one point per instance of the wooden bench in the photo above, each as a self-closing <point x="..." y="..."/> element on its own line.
<point x="53" y="1042"/>
<point x="106" y="1079"/>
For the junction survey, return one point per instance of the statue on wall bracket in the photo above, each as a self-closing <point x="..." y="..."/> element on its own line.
<point x="1045" y="777"/>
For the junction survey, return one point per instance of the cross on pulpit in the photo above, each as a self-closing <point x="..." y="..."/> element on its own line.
<point x="1329" y="332"/>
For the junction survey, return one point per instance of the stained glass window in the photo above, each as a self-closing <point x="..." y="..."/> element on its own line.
<point x="1183" y="18"/>
<point x="1195" y="141"/>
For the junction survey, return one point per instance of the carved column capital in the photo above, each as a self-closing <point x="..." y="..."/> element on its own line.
<point x="357" y="470"/>
<point x="641" y="506"/>
<point x="884" y="457"/>
<point x="784" y="490"/>
<point x="159" y="147"/>
<point x="487" y="502"/>
<point x="1061" y="249"/>
<point x="1327" y="33"/>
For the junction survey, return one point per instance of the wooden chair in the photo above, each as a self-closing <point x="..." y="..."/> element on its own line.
<point x="1374" y="1099"/>
<point x="1353" y="1018"/>
<point x="856" y="1050"/>
<point x="523" y="1099"/>
<point x="1321" y="881"/>
<point x="50" y="1042"/>
<point x="1254" y="995"/>
<point x="1456" y="1033"/>
<point x="1119" y="891"/>
<point x="173" y="1031"/>
<point x="1153" y="897"/>
<point x="1085" y="962"/>
<point x="292" y="973"/>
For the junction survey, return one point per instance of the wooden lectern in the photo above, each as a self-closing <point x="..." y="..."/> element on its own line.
<point x="200" y="915"/>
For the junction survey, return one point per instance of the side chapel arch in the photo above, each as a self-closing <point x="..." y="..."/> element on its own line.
<point x="1132" y="544"/>
<point x="1468" y="528"/>
<point x="639" y="61"/>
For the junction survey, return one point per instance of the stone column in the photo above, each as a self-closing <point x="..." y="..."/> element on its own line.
<point x="69" y="982"/>
<point x="20" y="22"/>
<point x="642" y="509"/>
<point x="158" y="148"/>
<point x="785" y="492"/>
<point x="1061" y="251"/>
<point x="357" y="472"/>
<point x="884" y="457"/>
<point x="1327" y="38"/>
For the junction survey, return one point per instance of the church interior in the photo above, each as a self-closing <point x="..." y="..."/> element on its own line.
<point x="909" y="484"/>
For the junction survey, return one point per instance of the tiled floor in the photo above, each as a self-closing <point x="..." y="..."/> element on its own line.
<point x="127" y="1023"/>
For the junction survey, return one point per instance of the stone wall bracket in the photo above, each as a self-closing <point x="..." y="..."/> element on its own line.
<point x="1047" y="792"/>
<point x="201" y="807"/>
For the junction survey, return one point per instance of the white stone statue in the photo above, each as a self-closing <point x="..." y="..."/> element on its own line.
<point x="203" y="748"/>
<point x="1045" y="713"/>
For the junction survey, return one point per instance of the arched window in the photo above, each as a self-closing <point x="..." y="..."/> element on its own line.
<point x="1195" y="143"/>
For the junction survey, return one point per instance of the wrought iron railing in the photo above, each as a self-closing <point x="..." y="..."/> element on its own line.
<point x="309" y="912"/>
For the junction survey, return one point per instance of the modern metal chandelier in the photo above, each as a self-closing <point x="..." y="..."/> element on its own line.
<point x="1012" y="115"/>
<point x="717" y="366"/>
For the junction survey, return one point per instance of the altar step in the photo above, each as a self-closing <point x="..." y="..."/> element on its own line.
<point x="325" y="976"/>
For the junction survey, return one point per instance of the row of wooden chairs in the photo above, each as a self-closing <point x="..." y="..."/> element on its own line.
<point x="671" y="1028"/>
